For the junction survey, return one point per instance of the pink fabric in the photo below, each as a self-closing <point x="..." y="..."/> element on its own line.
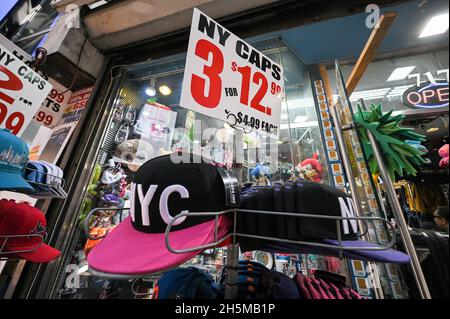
<point x="326" y="288"/>
<point x="300" y="279"/>
<point x="319" y="288"/>
<point x="335" y="291"/>
<point x="355" y="295"/>
<point x="128" y="251"/>
<point x="346" y="293"/>
<point x="313" y="291"/>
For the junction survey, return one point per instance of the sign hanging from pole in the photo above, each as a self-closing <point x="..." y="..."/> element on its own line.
<point x="22" y="91"/>
<point x="227" y="79"/>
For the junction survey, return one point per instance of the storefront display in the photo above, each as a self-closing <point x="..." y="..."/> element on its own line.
<point x="235" y="169"/>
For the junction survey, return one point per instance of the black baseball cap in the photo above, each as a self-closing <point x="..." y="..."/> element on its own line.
<point x="162" y="188"/>
<point x="302" y="197"/>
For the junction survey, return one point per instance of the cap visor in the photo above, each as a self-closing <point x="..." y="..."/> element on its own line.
<point x="12" y="181"/>
<point x="43" y="254"/>
<point x="385" y="256"/>
<point x="127" y="251"/>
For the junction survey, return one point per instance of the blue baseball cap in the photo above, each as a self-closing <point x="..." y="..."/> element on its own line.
<point x="13" y="160"/>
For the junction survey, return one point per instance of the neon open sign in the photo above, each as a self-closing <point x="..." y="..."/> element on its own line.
<point x="427" y="96"/>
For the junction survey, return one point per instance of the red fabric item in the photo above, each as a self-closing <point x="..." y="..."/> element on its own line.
<point x="319" y="288"/>
<point x="335" y="291"/>
<point x="346" y="293"/>
<point x="301" y="283"/>
<point x="29" y="223"/>
<point x="355" y="295"/>
<point x="326" y="288"/>
<point x="313" y="291"/>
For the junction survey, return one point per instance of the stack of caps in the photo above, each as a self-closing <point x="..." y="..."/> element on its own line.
<point x="257" y="282"/>
<point x="303" y="197"/>
<point x="37" y="179"/>
<point x="46" y="179"/>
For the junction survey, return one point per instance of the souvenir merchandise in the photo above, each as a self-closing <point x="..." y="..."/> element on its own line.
<point x="401" y="158"/>
<point x="27" y="222"/>
<point x="324" y="285"/>
<point x="46" y="179"/>
<point x="186" y="283"/>
<point x="311" y="169"/>
<point x="137" y="245"/>
<point x="13" y="160"/>
<point x="135" y="151"/>
<point x="305" y="198"/>
<point x="261" y="175"/>
<point x="444" y="154"/>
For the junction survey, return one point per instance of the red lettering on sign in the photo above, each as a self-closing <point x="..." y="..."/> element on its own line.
<point x="245" y="88"/>
<point x="259" y="78"/>
<point x="15" y="120"/>
<point x="211" y="99"/>
<point x="13" y="83"/>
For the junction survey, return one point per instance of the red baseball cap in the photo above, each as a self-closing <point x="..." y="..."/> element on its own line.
<point x="23" y="219"/>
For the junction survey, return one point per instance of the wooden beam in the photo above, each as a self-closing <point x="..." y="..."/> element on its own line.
<point x="373" y="44"/>
<point x="326" y="84"/>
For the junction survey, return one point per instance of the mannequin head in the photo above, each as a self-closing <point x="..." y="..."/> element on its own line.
<point x="441" y="218"/>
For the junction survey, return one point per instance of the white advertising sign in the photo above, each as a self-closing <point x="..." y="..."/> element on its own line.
<point x="227" y="79"/>
<point x="53" y="106"/>
<point x="22" y="91"/>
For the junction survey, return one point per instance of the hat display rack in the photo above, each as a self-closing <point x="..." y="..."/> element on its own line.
<point x="232" y="259"/>
<point x="6" y="255"/>
<point x="54" y="189"/>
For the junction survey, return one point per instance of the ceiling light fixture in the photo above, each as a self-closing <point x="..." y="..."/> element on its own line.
<point x="150" y="90"/>
<point x="437" y="25"/>
<point x="401" y="73"/>
<point x="165" y="90"/>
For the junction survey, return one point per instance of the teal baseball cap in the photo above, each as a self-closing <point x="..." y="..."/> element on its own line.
<point x="13" y="160"/>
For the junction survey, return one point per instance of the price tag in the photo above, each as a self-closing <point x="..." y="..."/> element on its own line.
<point x="22" y="91"/>
<point x="53" y="106"/>
<point x="227" y="79"/>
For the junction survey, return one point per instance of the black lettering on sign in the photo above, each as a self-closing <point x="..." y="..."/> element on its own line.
<point x="254" y="59"/>
<point x="210" y="27"/>
<point x="276" y="72"/>
<point x="242" y="49"/>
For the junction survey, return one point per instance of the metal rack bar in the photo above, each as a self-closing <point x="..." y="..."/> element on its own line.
<point x="398" y="212"/>
<point x="235" y="234"/>
<point x="5" y="238"/>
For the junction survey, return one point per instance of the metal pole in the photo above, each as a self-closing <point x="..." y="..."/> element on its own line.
<point x="398" y="212"/>
<point x="338" y="130"/>
<point x="345" y="159"/>
<point x="231" y="287"/>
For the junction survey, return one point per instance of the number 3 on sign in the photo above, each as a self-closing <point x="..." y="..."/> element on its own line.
<point x="211" y="98"/>
<point x="13" y="121"/>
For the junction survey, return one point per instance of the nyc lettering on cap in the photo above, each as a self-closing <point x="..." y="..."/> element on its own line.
<point x="162" y="189"/>
<point x="13" y="160"/>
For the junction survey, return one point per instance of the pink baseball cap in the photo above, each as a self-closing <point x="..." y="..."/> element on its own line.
<point x="163" y="188"/>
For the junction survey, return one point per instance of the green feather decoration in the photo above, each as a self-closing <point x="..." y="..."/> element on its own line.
<point x="400" y="157"/>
